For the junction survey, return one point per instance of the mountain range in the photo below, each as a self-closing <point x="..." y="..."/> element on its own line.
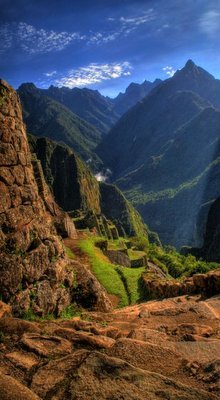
<point x="164" y="153"/>
<point x="148" y="138"/>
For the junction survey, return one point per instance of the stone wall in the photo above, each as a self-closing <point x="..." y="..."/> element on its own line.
<point x="205" y="284"/>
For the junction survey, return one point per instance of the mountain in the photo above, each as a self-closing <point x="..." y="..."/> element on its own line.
<point x="100" y="111"/>
<point x="145" y="131"/>
<point x="135" y="92"/>
<point x="76" y="189"/>
<point x="46" y="117"/>
<point x="88" y="104"/>
<point x="164" y="154"/>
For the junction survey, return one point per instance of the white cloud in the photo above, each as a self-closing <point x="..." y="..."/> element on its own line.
<point x="33" y="40"/>
<point x="139" y="20"/>
<point x="170" y="71"/>
<point x="51" y="73"/>
<point x="6" y="38"/>
<point x="123" y="27"/>
<point x="210" y="23"/>
<point x="93" y="73"/>
<point x="103" y="176"/>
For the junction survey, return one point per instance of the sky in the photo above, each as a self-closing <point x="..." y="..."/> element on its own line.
<point x="105" y="44"/>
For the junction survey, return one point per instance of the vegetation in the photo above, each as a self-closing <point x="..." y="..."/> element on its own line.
<point x="69" y="253"/>
<point x="72" y="310"/>
<point x="104" y="271"/>
<point x="45" y="116"/>
<point x="177" y="265"/>
<point x="131" y="278"/>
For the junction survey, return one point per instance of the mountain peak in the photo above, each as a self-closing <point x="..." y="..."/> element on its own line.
<point x="190" y="64"/>
<point x="193" y="72"/>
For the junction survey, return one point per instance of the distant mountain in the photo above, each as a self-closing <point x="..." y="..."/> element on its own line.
<point x="46" y="117"/>
<point x="180" y="187"/>
<point x="100" y="111"/>
<point x="87" y="104"/>
<point x="145" y="131"/>
<point x="135" y="92"/>
<point x="164" y="154"/>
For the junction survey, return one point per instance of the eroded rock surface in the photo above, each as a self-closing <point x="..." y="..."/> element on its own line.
<point x="143" y="351"/>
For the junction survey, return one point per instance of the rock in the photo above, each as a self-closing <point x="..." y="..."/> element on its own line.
<point x="118" y="257"/>
<point x="92" y="375"/>
<point x="5" y="310"/>
<point x="17" y="326"/>
<point x="207" y="284"/>
<point x="148" y="335"/>
<point x="193" y="329"/>
<point x="22" y="360"/>
<point x="54" y="374"/>
<point x="89" y="293"/>
<point x="87" y="338"/>
<point x="46" y="345"/>
<point x="29" y="245"/>
<point x="78" y="324"/>
<point x="144" y="314"/>
<point x="11" y="389"/>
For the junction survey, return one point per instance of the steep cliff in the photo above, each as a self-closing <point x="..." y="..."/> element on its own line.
<point x="72" y="183"/>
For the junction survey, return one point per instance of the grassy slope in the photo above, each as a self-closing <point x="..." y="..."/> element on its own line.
<point x="120" y="281"/>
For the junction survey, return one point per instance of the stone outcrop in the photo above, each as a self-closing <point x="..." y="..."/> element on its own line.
<point x="89" y="292"/>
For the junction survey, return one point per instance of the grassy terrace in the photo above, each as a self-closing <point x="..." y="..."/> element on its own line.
<point x="120" y="281"/>
<point x="135" y="254"/>
<point x="126" y="282"/>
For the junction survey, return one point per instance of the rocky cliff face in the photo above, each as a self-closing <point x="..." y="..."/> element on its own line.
<point x="72" y="183"/>
<point x="34" y="271"/>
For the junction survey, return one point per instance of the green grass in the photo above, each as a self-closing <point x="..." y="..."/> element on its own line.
<point x="29" y="315"/>
<point x="69" y="253"/>
<point x="118" y="244"/>
<point x="120" y="281"/>
<point x="132" y="279"/>
<point x="177" y="265"/>
<point x="135" y="254"/>
<point x="72" y="310"/>
<point x="104" y="271"/>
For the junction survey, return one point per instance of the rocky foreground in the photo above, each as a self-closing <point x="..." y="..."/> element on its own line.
<point x="166" y="349"/>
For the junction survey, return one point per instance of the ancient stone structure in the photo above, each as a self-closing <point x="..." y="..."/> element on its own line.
<point x="204" y="284"/>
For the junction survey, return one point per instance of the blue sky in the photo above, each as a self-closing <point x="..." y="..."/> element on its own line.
<point x="105" y="44"/>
